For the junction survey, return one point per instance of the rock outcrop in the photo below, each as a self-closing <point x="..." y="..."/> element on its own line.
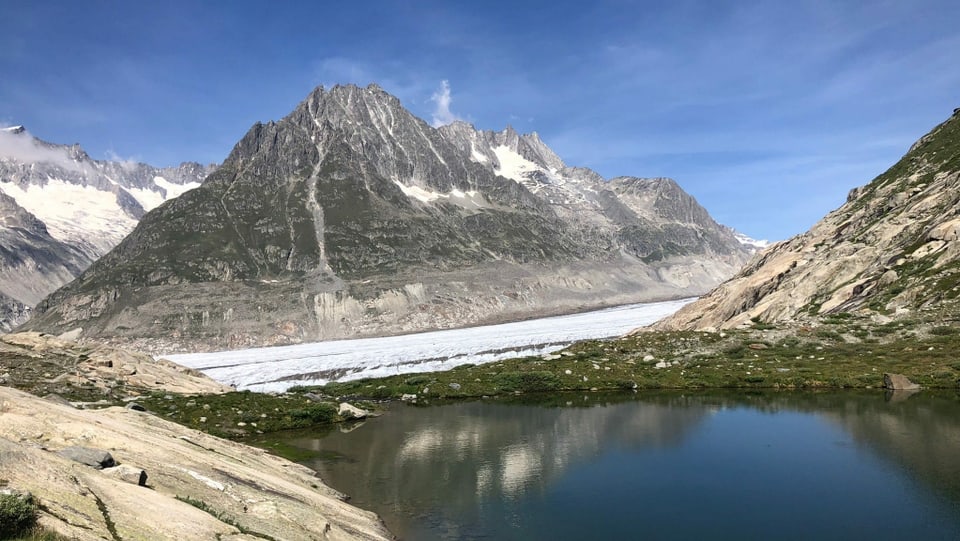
<point x="199" y="487"/>
<point x="890" y="250"/>
<point x="899" y="382"/>
<point x="351" y="217"/>
<point x="44" y="362"/>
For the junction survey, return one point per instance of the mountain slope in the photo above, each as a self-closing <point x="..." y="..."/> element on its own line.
<point x="893" y="248"/>
<point x="32" y="263"/>
<point x="352" y="217"/>
<point x="61" y="210"/>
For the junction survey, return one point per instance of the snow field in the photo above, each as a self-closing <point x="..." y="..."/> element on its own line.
<point x="275" y="369"/>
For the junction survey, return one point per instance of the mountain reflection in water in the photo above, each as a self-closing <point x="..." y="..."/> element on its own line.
<point x="659" y="465"/>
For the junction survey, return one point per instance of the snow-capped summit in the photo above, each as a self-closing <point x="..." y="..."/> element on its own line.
<point x="63" y="210"/>
<point x="352" y="217"/>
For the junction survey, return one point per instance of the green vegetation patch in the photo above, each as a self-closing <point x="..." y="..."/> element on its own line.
<point x="18" y="515"/>
<point x="847" y="352"/>
<point x="243" y="413"/>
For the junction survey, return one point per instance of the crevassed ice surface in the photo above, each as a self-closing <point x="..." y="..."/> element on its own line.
<point x="276" y="369"/>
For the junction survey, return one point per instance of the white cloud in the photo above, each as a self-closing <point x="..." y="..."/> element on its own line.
<point x="129" y="164"/>
<point x="442" y="114"/>
<point x="24" y="148"/>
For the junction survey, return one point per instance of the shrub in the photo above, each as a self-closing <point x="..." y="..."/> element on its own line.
<point x="943" y="331"/>
<point x="417" y="380"/>
<point x="17" y="514"/>
<point x="319" y="413"/>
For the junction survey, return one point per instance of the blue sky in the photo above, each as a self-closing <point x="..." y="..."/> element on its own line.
<point x="768" y="112"/>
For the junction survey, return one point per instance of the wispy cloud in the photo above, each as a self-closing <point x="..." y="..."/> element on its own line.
<point x="127" y="163"/>
<point x="442" y="115"/>
<point x="23" y="147"/>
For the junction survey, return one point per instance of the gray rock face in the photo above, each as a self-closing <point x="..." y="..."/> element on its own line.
<point x="352" y="217"/>
<point x="60" y="210"/>
<point x="95" y="458"/>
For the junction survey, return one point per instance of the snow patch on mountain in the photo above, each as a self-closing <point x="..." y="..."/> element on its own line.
<point x="750" y="242"/>
<point x="150" y="198"/>
<point x="80" y="215"/>
<point x="468" y="199"/>
<point x="512" y="165"/>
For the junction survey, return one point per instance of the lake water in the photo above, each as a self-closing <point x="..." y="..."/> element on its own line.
<point x="852" y="465"/>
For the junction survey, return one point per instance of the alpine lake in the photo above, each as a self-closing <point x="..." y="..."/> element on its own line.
<point x="745" y="464"/>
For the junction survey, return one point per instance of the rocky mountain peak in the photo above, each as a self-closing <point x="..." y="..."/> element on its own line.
<point x="350" y="216"/>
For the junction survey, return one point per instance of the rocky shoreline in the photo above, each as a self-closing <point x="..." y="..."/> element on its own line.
<point x="120" y="473"/>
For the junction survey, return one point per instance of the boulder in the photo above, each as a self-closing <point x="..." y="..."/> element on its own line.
<point x="455" y="386"/>
<point x="348" y="410"/>
<point x="899" y="382"/>
<point x="133" y="406"/>
<point x="129" y="474"/>
<point x="95" y="458"/>
<point x="888" y="278"/>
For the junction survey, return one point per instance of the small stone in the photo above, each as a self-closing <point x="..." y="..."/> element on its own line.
<point x="455" y="386"/>
<point x="649" y="358"/>
<point x="203" y="419"/>
<point x="567" y="372"/>
<point x="241" y="423"/>
<point x="133" y="406"/>
<point x="757" y="346"/>
<point x="408" y="397"/>
<point x="550" y="357"/>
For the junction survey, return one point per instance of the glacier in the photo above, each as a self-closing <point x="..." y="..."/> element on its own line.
<point x="276" y="369"/>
